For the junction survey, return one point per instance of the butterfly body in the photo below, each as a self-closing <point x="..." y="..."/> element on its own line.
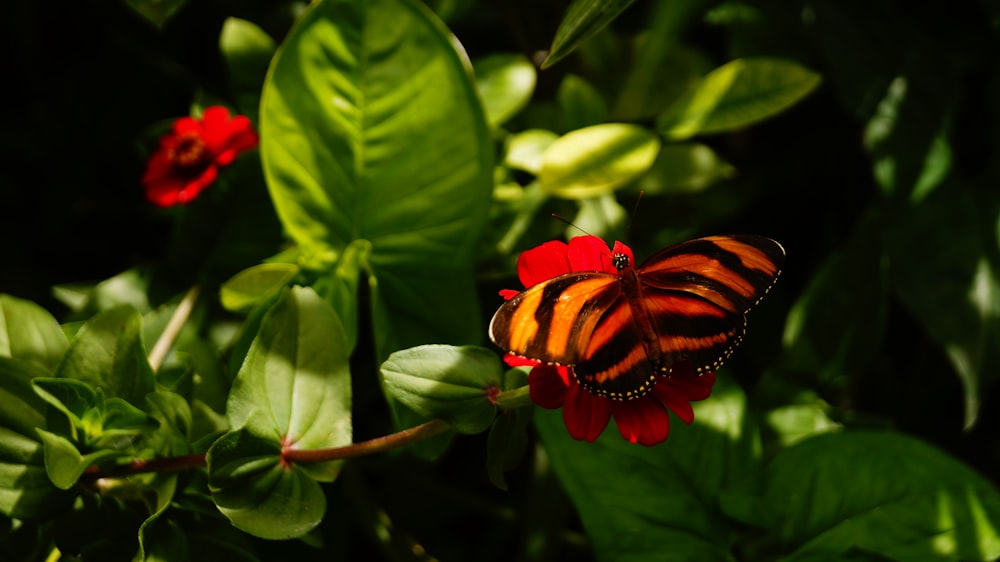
<point x="618" y="331"/>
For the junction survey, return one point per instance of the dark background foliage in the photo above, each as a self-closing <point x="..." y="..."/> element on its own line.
<point x="90" y="86"/>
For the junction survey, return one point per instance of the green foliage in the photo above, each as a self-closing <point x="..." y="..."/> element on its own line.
<point x="320" y="392"/>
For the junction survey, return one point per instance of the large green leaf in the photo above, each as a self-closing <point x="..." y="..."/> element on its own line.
<point x="107" y="353"/>
<point x="884" y="493"/>
<point x="292" y="392"/>
<point x="951" y="284"/>
<point x="295" y="384"/>
<point x="737" y="94"/>
<point x="29" y="332"/>
<point x="657" y="503"/>
<point x="256" y="491"/>
<point x="372" y="130"/>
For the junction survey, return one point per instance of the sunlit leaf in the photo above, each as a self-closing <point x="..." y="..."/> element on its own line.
<point x="735" y="95"/>
<point x="30" y="333"/>
<point x="595" y="160"/>
<point x="256" y="285"/>
<point x="506" y="83"/>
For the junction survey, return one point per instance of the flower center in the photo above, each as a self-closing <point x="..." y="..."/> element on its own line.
<point x="190" y="154"/>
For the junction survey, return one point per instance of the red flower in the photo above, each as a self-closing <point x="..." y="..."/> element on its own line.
<point x="188" y="158"/>
<point x="643" y="420"/>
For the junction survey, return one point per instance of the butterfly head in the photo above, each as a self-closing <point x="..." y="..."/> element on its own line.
<point x="621" y="261"/>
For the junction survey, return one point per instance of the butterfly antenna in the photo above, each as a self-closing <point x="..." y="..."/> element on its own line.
<point x="635" y="211"/>
<point x="569" y="223"/>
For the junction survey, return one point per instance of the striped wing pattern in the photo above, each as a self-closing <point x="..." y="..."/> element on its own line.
<point x="687" y="302"/>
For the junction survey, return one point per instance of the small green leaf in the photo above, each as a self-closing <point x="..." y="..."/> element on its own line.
<point x="258" y="492"/>
<point x="156" y="12"/>
<point x="107" y="353"/>
<point x="446" y="382"/>
<point x="596" y="160"/>
<point x="525" y="149"/>
<point x="505" y="83"/>
<point x="507" y="443"/>
<point x="256" y="285"/>
<point x="64" y="463"/>
<point x="684" y="168"/>
<point x="583" y="20"/>
<point x="737" y="94"/>
<point x="29" y="332"/>
<point x="26" y="492"/>
<point x="294" y="385"/>
<point x="69" y="396"/>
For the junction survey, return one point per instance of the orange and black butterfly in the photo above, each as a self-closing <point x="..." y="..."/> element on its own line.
<point x="687" y="302"/>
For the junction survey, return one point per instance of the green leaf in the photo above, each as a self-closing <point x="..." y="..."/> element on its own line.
<point x="581" y="103"/>
<point x="445" y="382"/>
<point x="256" y="285"/>
<point x="583" y="20"/>
<point x="26" y="492"/>
<point x="737" y="94"/>
<point x="29" y="332"/>
<point x="156" y="12"/>
<point x="257" y="492"/>
<point x="950" y="285"/>
<point x="525" y="149"/>
<point x="836" y="326"/>
<point x="370" y="122"/>
<point x="107" y="353"/>
<point x="596" y="160"/>
<point x="64" y="463"/>
<point x="508" y="440"/>
<point x="247" y="50"/>
<point x="505" y="83"/>
<point x="294" y="386"/>
<point x="884" y="493"/>
<point x="661" y="68"/>
<point x="634" y="500"/>
<point x="684" y="168"/>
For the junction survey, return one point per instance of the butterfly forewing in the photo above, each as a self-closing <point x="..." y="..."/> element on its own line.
<point x="733" y="272"/>
<point x="553" y="321"/>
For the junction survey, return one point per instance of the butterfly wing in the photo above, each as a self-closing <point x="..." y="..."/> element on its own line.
<point x="696" y="295"/>
<point x="616" y="364"/>
<point x="553" y="320"/>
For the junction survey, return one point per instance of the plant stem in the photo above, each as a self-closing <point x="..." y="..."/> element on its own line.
<point x="174" y="326"/>
<point x="392" y="441"/>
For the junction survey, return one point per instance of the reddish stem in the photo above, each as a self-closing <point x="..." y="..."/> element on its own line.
<point x="288" y="455"/>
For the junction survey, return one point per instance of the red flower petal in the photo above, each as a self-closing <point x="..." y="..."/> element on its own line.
<point x="590" y="253"/>
<point x="542" y="263"/>
<point x="585" y="414"/>
<point x="508" y="294"/>
<point x="548" y="385"/>
<point x="643" y="421"/>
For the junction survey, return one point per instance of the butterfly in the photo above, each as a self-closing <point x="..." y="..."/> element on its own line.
<point x="618" y="331"/>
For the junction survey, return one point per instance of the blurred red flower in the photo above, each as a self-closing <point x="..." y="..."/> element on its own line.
<point x="643" y="420"/>
<point x="188" y="158"/>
